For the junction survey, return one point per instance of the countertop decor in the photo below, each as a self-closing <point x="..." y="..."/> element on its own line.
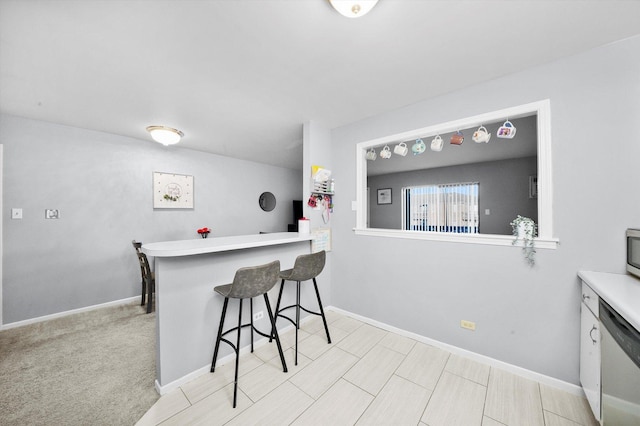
<point x="204" y="232"/>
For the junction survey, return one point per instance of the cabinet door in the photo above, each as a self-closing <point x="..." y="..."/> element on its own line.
<point x="590" y="358"/>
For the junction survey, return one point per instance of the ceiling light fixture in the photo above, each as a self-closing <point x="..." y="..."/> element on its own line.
<point x="353" y="8"/>
<point x="165" y="135"/>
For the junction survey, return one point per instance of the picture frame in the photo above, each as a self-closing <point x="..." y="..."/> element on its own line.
<point x="172" y="191"/>
<point x="384" y="196"/>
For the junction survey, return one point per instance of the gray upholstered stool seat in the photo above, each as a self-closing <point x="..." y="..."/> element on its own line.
<point x="306" y="267"/>
<point x="247" y="283"/>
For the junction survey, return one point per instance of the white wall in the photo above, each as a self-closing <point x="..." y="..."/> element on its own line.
<point x="102" y="185"/>
<point x="525" y="316"/>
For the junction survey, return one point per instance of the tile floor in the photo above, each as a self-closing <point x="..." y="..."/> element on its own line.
<point x="367" y="376"/>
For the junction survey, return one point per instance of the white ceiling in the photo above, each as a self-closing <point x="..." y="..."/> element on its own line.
<point x="240" y="77"/>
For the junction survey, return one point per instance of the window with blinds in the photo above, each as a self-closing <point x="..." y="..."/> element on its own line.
<point x="451" y="207"/>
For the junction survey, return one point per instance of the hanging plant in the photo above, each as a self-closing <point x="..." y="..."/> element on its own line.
<point x="525" y="229"/>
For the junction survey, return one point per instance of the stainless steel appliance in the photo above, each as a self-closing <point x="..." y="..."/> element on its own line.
<point x="633" y="251"/>
<point x="620" y="369"/>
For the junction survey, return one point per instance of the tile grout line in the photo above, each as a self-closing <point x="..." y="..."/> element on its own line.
<point x="434" y="388"/>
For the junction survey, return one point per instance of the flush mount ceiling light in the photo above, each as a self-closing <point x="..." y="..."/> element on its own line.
<point x="165" y="135"/>
<point x="353" y="8"/>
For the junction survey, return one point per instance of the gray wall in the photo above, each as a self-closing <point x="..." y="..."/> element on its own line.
<point x="525" y="316"/>
<point x="102" y="185"/>
<point x="504" y="190"/>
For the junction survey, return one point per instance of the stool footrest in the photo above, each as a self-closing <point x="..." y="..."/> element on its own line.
<point x="293" y="306"/>
<point x="233" y="346"/>
<point x="287" y="318"/>
<point x="243" y="326"/>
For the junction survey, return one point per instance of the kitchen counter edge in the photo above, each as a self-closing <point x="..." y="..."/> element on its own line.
<point x="620" y="291"/>
<point x="221" y="244"/>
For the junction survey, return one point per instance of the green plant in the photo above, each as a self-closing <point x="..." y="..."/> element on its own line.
<point x="525" y="229"/>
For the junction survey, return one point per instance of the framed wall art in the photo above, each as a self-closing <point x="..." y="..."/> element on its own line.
<point x="172" y="191"/>
<point x="384" y="196"/>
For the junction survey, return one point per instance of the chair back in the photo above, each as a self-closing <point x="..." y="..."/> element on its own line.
<point x="308" y="266"/>
<point x="137" y="245"/>
<point x="254" y="281"/>
<point x="145" y="269"/>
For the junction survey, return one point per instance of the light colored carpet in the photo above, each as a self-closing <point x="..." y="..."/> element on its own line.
<point x="91" y="368"/>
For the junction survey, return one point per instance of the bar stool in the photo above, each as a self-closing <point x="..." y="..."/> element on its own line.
<point x="306" y="267"/>
<point x="248" y="283"/>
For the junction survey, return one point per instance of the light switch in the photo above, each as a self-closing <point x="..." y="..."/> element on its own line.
<point x="354" y="206"/>
<point x="487" y="212"/>
<point x="16" y="213"/>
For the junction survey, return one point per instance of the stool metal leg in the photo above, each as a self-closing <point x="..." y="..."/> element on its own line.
<point x="324" y="320"/>
<point x="251" y="320"/>
<point x="215" y="351"/>
<point x="277" y="311"/>
<point x="274" y="332"/>
<point x="297" y="316"/>
<point x="237" y="349"/>
<point x="279" y="298"/>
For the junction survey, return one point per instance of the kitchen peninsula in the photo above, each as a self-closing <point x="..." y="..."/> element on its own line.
<point x="187" y="309"/>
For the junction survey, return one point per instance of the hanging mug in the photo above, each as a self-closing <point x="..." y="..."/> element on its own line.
<point x="457" y="138"/>
<point x="481" y="135"/>
<point x="507" y="130"/>
<point x="371" y="155"/>
<point x="401" y="149"/>
<point x="437" y="143"/>
<point x="386" y="152"/>
<point x="418" y="147"/>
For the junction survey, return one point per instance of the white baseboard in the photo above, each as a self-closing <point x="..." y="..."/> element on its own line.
<point x="66" y="313"/>
<point x="519" y="371"/>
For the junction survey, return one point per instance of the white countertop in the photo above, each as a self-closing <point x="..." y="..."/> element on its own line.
<point x="620" y="291"/>
<point x="221" y="244"/>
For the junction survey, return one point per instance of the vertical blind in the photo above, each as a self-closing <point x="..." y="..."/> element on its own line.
<point x="451" y="207"/>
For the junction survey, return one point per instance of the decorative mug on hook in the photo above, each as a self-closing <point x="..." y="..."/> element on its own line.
<point x="386" y="152"/>
<point x="457" y="138"/>
<point x="371" y="155"/>
<point x="437" y="143"/>
<point x="401" y="149"/>
<point x="507" y="130"/>
<point x="481" y="135"/>
<point x="419" y="147"/>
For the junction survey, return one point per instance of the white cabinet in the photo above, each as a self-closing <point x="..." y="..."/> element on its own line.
<point x="590" y="348"/>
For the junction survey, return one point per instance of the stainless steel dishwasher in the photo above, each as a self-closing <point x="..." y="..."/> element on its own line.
<point x="620" y="369"/>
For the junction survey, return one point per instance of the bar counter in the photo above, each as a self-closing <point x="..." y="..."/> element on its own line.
<point x="187" y="309"/>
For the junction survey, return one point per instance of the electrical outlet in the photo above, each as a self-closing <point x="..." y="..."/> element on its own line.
<point x="258" y="315"/>
<point x="52" y="214"/>
<point x="469" y="325"/>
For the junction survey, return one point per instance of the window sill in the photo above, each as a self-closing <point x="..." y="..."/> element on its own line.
<point x="487" y="239"/>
